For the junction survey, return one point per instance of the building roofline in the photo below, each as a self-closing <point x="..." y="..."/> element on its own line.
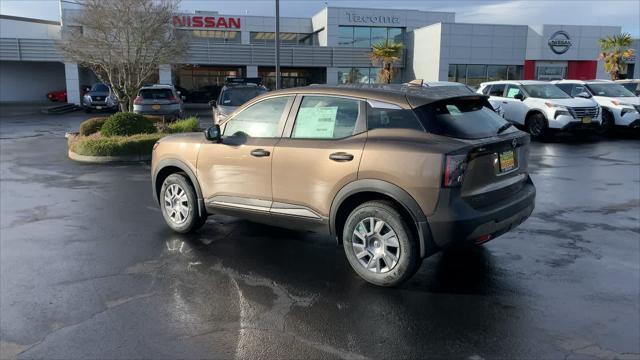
<point x="32" y="20"/>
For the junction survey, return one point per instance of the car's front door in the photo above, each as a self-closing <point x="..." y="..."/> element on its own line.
<point x="515" y="110"/>
<point x="236" y="173"/>
<point x="318" y="154"/>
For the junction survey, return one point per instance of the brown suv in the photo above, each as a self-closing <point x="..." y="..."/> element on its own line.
<point x="394" y="174"/>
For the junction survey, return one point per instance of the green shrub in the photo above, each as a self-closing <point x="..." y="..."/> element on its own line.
<point x="92" y="126"/>
<point x="141" y="144"/>
<point x="126" y="123"/>
<point x="190" y="124"/>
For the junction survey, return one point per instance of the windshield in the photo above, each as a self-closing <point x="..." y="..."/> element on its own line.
<point x="239" y="96"/>
<point x="461" y="118"/>
<point x="100" y="88"/>
<point x="156" y="94"/>
<point x="633" y="87"/>
<point x="610" y="90"/>
<point x="545" y="91"/>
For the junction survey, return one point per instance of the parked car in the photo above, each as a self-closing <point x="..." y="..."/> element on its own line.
<point x="61" y="95"/>
<point x="541" y="107"/>
<point x="159" y="100"/>
<point x="620" y="107"/>
<point x="99" y="97"/>
<point x="495" y="105"/>
<point x="204" y="94"/>
<point x="395" y="175"/>
<point x="632" y="85"/>
<point x="236" y="92"/>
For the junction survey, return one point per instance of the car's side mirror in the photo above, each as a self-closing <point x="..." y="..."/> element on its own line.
<point x="583" y="95"/>
<point x="213" y="103"/>
<point x="213" y="133"/>
<point x="519" y="96"/>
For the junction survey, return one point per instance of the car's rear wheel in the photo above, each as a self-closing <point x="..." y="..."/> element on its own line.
<point x="380" y="245"/>
<point x="179" y="204"/>
<point x="537" y="126"/>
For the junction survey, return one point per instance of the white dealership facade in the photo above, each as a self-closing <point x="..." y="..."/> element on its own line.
<point x="330" y="47"/>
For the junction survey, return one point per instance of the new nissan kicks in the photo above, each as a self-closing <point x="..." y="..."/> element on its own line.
<point x="393" y="174"/>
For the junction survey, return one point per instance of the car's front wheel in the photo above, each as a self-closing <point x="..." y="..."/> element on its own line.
<point x="608" y="123"/>
<point x="537" y="126"/>
<point x="380" y="245"/>
<point x="179" y="204"/>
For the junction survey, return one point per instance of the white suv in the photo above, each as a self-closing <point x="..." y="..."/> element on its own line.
<point x="620" y="107"/>
<point x="539" y="106"/>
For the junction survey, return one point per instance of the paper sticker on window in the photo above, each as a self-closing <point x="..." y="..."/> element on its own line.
<point x="512" y="92"/>
<point x="315" y="122"/>
<point x="453" y="110"/>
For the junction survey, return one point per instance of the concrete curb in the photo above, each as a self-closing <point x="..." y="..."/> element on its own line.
<point x="107" y="159"/>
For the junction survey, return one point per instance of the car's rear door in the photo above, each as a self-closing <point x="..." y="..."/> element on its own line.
<point x="235" y="175"/>
<point x="515" y="110"/>
<point x="318" y="154"/>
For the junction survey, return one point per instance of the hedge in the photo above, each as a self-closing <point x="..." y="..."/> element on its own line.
<point x="92" y="126"/>
<point x="141" y="144"/>
<point x="126" y="123"/>
<point x="190" y="124"/>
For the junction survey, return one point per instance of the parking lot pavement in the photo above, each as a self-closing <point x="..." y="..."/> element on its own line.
<point x="89" y="270"/>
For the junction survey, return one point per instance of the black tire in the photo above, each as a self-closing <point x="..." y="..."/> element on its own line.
<point x="191" y="220"/>
<point x="408" y="260"/>
<point x="537" y="126"/>
<point x="608" y="123"/>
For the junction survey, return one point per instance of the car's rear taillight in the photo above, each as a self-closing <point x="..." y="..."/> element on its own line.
<point x="173" y="100"/>
<point x="454" y="168"/>
<point x="137" y="100"/>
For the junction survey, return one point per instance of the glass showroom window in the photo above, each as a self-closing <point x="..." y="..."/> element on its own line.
<point x="364" y="37"/>
<point x="215" y="35"/>
<point x="475" y="74"/>
<point x="364" y="75"/>
<point x="286" y="39"/>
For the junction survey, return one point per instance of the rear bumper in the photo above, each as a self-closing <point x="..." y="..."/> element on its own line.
<point x="455" y="222"/>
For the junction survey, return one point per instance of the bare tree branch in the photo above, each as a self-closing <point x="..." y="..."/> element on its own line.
<point x="124" y="42"/>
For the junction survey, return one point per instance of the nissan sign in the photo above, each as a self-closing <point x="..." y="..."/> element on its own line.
<point x="197" y="21"/>
<point x="560" y="42"/>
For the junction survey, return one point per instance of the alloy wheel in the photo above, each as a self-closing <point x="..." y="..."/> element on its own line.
<point x="176" y="203"/>
<point x="376" y="245"/>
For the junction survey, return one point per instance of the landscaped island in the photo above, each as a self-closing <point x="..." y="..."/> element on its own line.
<point x="123" y="137"/>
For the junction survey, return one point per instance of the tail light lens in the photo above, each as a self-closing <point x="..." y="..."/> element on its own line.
<point x="137" y="100"/>
<point x="455" y="165"/>
<point x="174" y="100"/>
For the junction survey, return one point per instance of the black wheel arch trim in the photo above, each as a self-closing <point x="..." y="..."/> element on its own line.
<point x="396" y="193"/>
<point x="187" y="170"/>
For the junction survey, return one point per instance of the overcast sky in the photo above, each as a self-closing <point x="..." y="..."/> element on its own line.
<point x="625" y="13"/>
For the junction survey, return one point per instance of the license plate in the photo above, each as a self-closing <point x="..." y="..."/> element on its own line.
<point x="155" y="107"/>
<point x="586" y="120"/>
<point x="99" y="107"/>
<point x="506" y="160"/>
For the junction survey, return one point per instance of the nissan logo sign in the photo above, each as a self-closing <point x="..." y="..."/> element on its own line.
<point x="560" y="42"/>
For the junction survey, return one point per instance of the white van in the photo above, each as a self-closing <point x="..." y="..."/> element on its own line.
<point x="541" y="107"/>
<point x="620" y="107"/>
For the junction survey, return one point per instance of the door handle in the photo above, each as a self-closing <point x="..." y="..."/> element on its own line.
<point x="505" y="102"/>
<point x="341" y="156"/>
<point x="260" y="153"/>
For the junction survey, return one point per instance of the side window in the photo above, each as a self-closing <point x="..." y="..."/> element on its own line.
<point x="325" y="117"/>
<point x="259" y="120"/>
<point x="388" y="116"/>
<point x="512" y="91"/>
<point x="497" y="90"/>
<point x="485" y="91"/>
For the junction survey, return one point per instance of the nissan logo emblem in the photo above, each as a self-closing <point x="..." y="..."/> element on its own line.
<point x="560" y="42"/>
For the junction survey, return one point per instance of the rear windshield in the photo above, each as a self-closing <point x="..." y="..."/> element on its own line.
<point x="239" y="96"/>
<point x="545" y="91"/>
<point x="610" y="90"/>
<point x="461" y="118"/>
<point x="156" y="94"/>
<point x="100" y="88"/>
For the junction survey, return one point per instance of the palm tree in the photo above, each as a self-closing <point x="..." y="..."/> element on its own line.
<point x="387" y="53"/>
<point x="615" y="50"/>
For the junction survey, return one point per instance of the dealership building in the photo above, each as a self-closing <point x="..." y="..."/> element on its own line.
<point x="330" y="47"/>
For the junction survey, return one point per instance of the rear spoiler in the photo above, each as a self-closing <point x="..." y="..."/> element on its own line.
<point x="417" y="101"/>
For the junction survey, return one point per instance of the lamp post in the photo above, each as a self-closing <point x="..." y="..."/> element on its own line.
<point x="278" y="80"/>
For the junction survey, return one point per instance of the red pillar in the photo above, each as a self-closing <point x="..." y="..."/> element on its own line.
<point x="529" y="70"/>
<point x="582" y="70"/>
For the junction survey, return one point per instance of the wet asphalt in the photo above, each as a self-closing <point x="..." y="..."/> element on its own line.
<point x="89" y="270"/>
